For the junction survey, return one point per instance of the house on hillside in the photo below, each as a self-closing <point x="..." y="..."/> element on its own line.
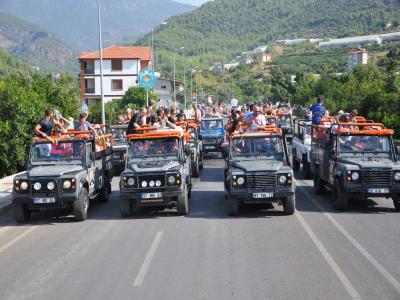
<point x="246" y="60"/>
<point x="357" y="57"/>
<point x="121" y="66"/>
<point x="164" y="90"/>
<point x="265" y="58"/>
<point x="218" y="67"/>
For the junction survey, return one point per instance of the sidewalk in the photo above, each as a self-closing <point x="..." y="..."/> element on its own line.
<point x="6" y="185"/>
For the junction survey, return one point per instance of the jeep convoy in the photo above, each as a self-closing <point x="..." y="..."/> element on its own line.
<point x="66" y="174"/>
<point x="355" y="160"/>
<point x="157" y="173"/>
<point x="257" y="170"/>
<point x="284" y="121"/>
<point x="196" y="148"/>
<point x="120" y="148"/>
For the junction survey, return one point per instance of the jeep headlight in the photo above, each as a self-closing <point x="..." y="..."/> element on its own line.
<point x="282" y="179"/>
<point x="67" y="184"/>
<point x="51" y="186"/>
<point x="37" y="186"/>
<point x="131" y="181"/>
<point x="285" y="179"/>
<point x="174" y="179"/>
<point x="171" y="179"/>
<point x="24" y="185"/>
<point x="355" y="176"/>
<point x="396" y="176"/>
<point x="144" y="183"/>
<point x="240" y="180"/>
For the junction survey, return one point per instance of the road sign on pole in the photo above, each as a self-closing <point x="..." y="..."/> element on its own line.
<point x="147" y="79"/>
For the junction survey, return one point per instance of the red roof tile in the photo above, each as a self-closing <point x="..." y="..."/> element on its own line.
<point x="119" y="52"/>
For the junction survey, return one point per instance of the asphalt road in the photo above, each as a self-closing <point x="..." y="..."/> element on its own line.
<point x="263" y="254"/>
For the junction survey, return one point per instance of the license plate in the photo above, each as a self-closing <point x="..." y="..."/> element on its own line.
<point x="378" y="191"/>
<point x="209" y="147"/>
<point x="263" y="195"/>
<point x="150" y="196"/>
<point x="44" y="200"/>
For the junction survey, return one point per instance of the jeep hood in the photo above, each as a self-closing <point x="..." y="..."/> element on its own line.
<point x="366" y="163"/>
<point x="54" y="171"/>
<point x="258" y="165"/>
<point x="154" y="166"/>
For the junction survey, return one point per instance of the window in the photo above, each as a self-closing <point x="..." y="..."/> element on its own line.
<point x="116" y="85"/>
<point x="164" y="87"/>
<point x="116" y="65"/>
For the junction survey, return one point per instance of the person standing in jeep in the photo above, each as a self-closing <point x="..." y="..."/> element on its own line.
<point x="318" y="111"/>
<point x="45" y="125"/>
<point x="137" y="121"/>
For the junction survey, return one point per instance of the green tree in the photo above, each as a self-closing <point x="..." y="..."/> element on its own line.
<point x="135" y="97"/>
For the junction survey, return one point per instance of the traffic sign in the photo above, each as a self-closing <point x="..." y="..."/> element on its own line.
<point x="147" y="79"/>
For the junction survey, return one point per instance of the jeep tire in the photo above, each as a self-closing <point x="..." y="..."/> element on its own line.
<point x="306" y="168"/>
<point x="201" y="160"/>
<point x="318" y="183"/>
<point x="195" y="167"/>
<point x="125" y="208"/>
<point x="340" y="197"/>
<point x="296" y="164"/>
<point x="21" y="212"/>
<point x="232" y="205"/>
<point x="182" y="205"/>
<point x="396" y="202"/>
<point x="289" y="205"/>
<point x="104" y="194"/>
<point x="81" y="205"/>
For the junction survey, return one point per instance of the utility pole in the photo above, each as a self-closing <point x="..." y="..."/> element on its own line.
<point x="103" y="113"/>
<point x="184" y="84"/>
<point x="174" y="78"/>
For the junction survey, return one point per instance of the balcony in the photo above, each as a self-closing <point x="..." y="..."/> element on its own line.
<point x="90" y="90"/>
<point x="89" y="71"/>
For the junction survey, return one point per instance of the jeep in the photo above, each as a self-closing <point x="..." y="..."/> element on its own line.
<point x="301" y="146"/>
<point x="120" y="147"/>
<point x="355" y="160"/>
<point x="65" y="174"/>
<point x="257" y="170"/>
<point x="212" y="133"/>
<point x="196" y="148"/>
<point x="157" y="172"/>
<point x="284" y="121"/>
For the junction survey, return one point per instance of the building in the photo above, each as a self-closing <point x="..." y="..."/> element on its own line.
<point x="121" y="66"/>
<point x="265" y="58"/>
<point x="357" y="57"/>
<point x="218" y="67"/>
<point x="165" y="92"/>
<point x="246" y="60"/>
<point x="355" y="41"/>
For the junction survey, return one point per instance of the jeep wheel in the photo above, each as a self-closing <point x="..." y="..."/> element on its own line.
<point x="233" y="205"/>
<point x="318" y="183"/>
<point x="182" y="204"/>
<point x="21" y="213"/>
<point x="125" y="208"/>
<point x="201" y="163"/>
<point x="195" y="168"/>
<point x="340" y="197"/>
<point x="396" y="202"/>
<point x="104" y="194"/>
<point x="306" y="169"/>
<point x="296" y="164"/>
<point x="81" y="205"/>
<point x="289" y="205"/>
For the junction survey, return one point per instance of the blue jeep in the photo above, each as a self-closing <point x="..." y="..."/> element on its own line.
<point x="212" y="133"/>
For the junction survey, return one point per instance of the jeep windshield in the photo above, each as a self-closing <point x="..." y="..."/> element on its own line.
<point x="365" y="145"/>
<point x="119" y="134"/>
<point x="266" y="147"/>
<point x="154" y="148"/>
<point x="60" y="152"/>
<point x="212" y="124"/>
<point x="285" y="120"/>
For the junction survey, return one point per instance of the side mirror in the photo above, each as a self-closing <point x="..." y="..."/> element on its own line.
<point x="225" y="150"/>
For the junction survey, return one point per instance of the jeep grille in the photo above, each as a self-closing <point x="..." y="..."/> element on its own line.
<point x="153" y="177"/>
<point x="209" y="141"/>
<point x="378" y="177"/>
<point x="262" y="180"/>
<point x="44" y="191"/>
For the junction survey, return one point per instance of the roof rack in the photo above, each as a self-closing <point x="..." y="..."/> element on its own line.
<point x="156" y="135"/>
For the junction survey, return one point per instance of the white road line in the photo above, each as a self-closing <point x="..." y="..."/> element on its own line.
<point x="329" y="259"/>
<point x="15" y="240"/>
<point x="6" y="227"/>
<point x="368" y="256"/>
<point x="147" y="261"/>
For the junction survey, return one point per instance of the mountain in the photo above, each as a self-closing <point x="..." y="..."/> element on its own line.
<point x="35" y="46"/>
<point x="10" y="65"/>
<point x="75" y="21"/>
<point x="221" y="29"/>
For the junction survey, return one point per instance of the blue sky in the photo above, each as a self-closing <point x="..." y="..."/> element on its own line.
<point x="193" y="2"/>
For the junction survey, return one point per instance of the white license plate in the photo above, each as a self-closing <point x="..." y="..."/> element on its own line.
<point x="263" y="195"/>
<point x="378" y="191"/>
<point x="44" y="200"/>
<point x="209" y="147"/>
<point x="150" y="196"/>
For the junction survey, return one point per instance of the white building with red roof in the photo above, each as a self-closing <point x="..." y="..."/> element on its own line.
<point x="357" y="57"/>
<point x="121" y="66"/>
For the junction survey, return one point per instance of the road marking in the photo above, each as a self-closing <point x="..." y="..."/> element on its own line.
<point x="368" y="256"/>
<point x="6" y="227"/>
<point x="329" y="259"/>
<point x="147" y="261"/>
<point x="15" y="240"/>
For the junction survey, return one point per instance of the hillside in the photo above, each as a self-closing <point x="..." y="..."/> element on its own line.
<point x="76" y="21"/>
<point x="223" y="28"/>
<point x="35" y="46"/>
<point x="10" y="65"/>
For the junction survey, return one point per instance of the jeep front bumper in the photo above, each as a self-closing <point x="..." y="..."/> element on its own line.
<point x="273" y="195"/>
<point x="66" y="200"/>
<point x="162" y="197"/>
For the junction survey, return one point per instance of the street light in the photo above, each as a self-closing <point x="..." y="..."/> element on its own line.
<point x="103" y="114"/>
